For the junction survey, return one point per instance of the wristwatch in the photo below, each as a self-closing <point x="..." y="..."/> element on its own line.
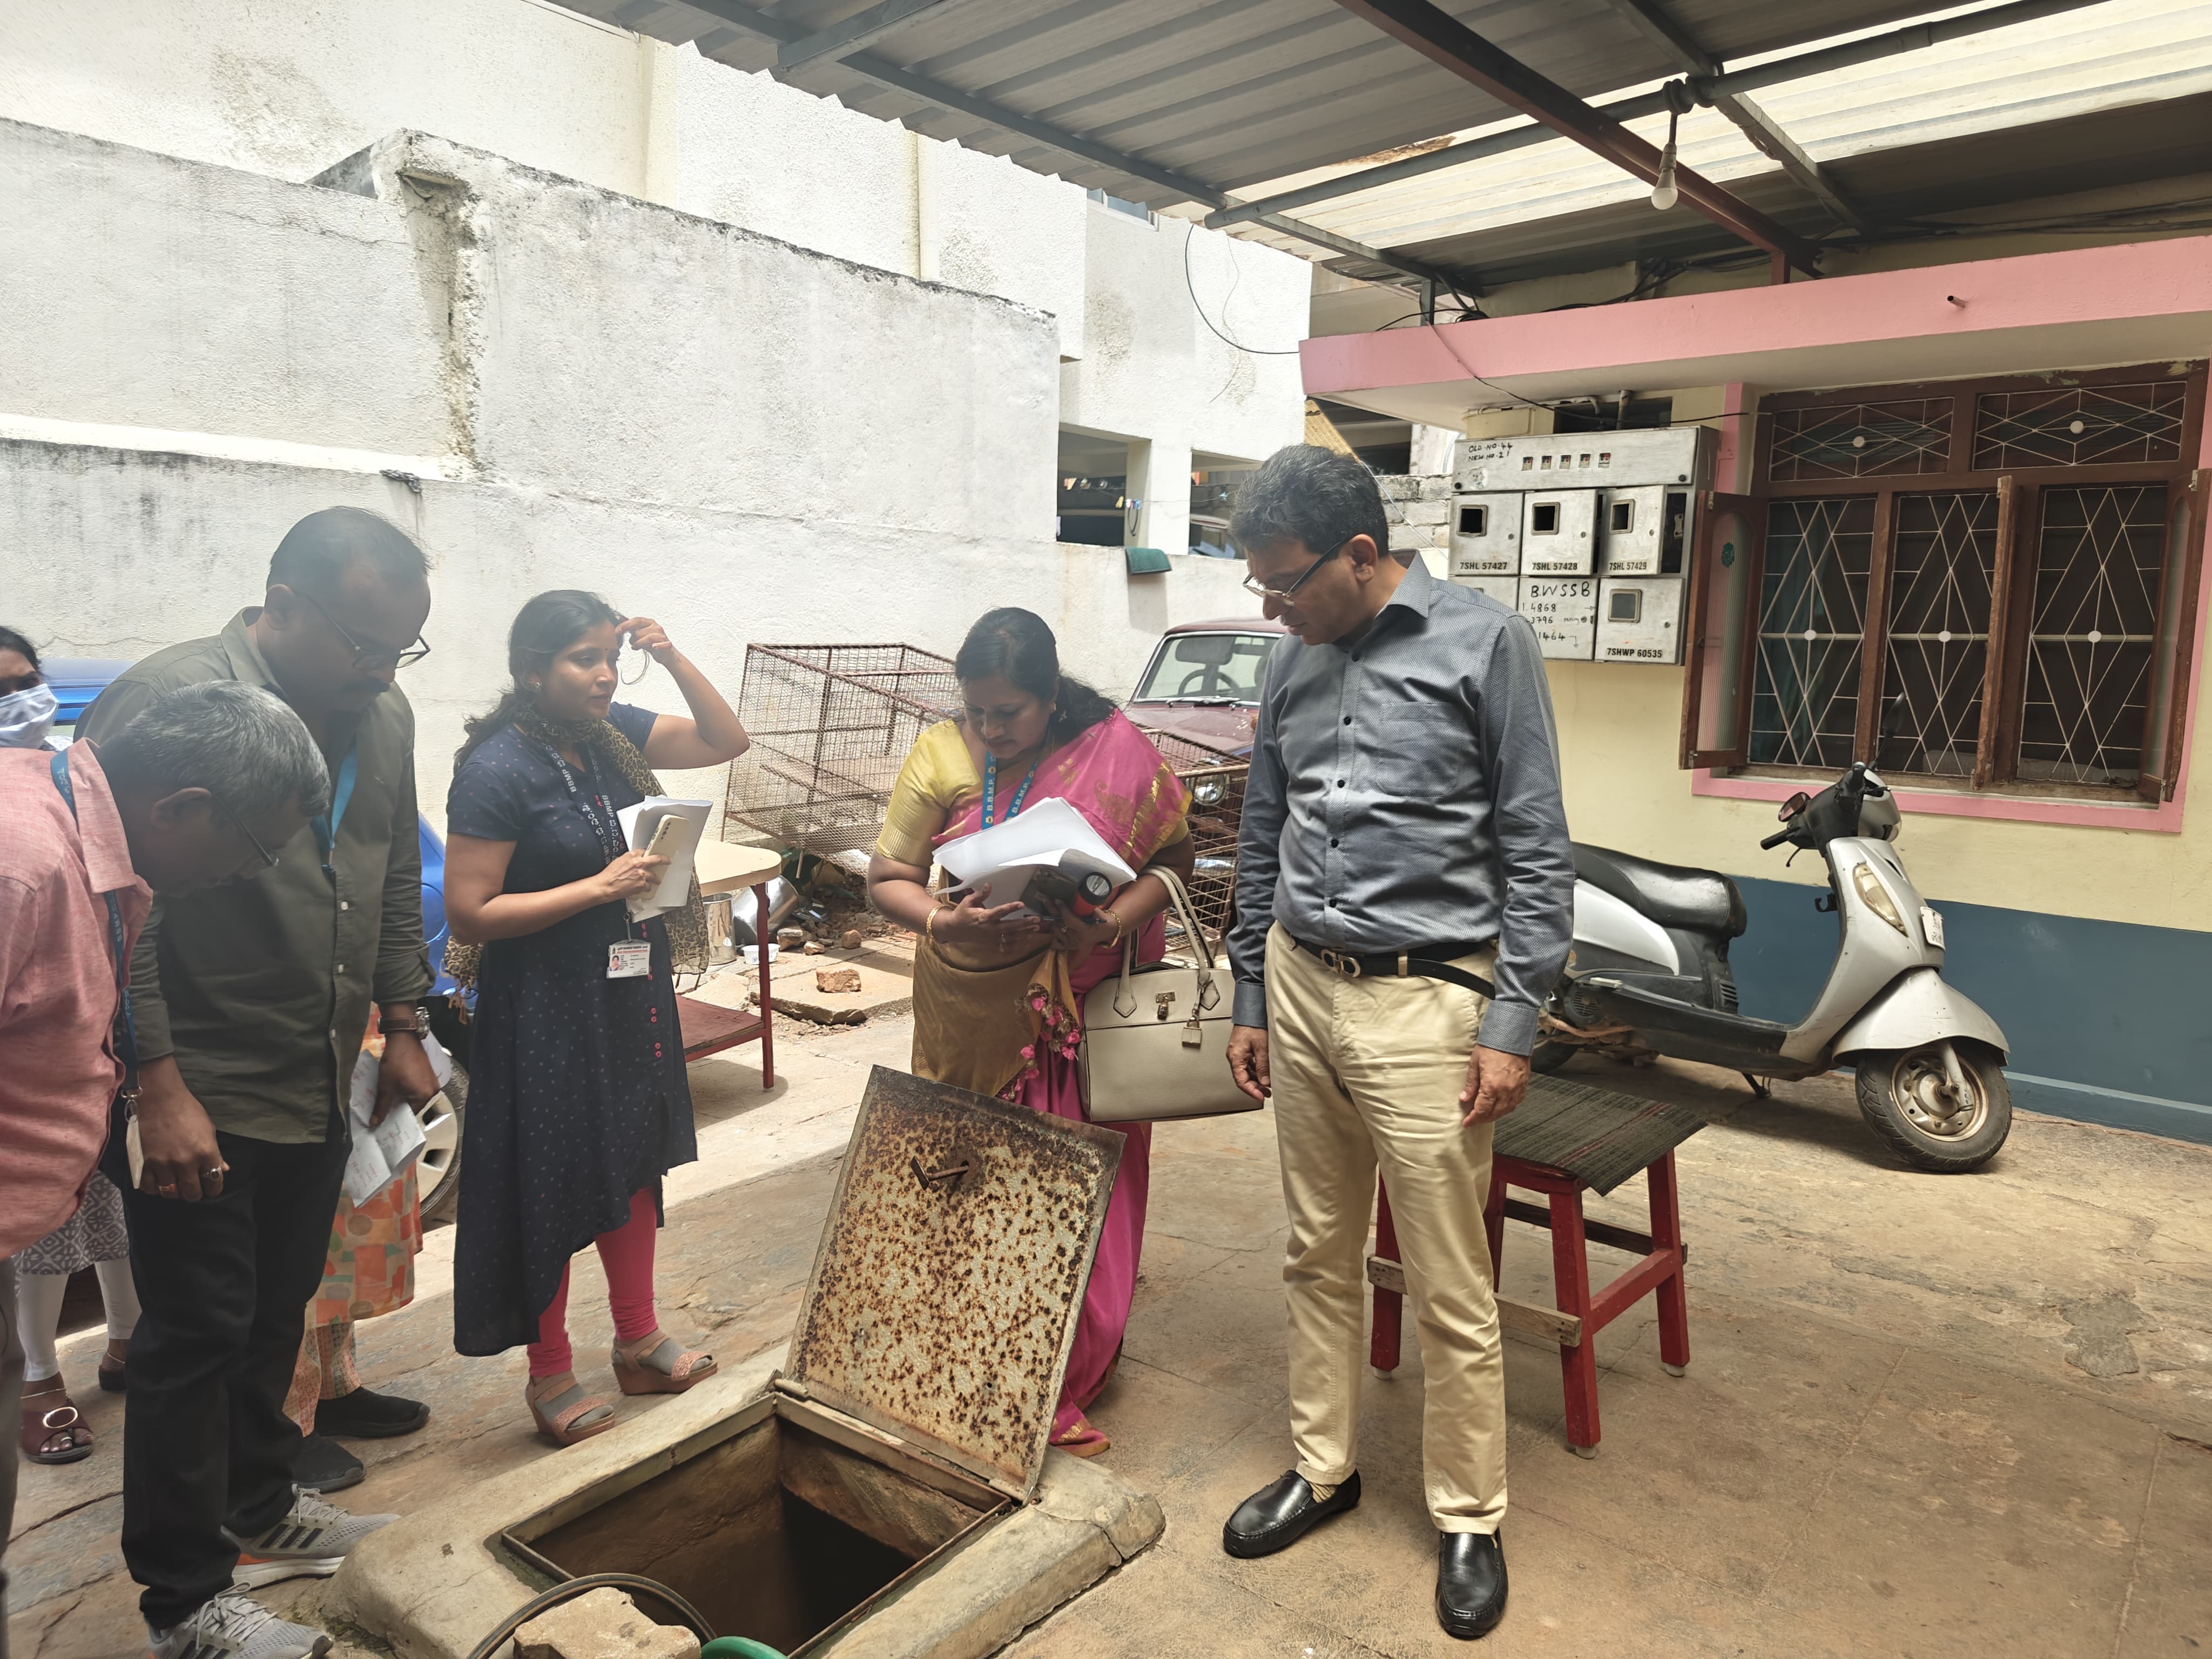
<point x="419" y="1025"/>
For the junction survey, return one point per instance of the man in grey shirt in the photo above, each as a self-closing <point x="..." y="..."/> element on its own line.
<point x="1403" y="847"/>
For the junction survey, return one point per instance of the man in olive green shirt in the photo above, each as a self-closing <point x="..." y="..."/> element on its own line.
<point x="252" y="1001"/>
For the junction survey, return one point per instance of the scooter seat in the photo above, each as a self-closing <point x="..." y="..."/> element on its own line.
<point x="1672" y="895"/>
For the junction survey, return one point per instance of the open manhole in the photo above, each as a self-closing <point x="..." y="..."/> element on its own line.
<point x="917" y="1404"/>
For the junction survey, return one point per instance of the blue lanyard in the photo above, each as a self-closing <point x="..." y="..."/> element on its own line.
<point x="327" y="827"/>
<point x="990" y="787"/>
<point x="605" y="830"/>
<point x="127" y="1048"/>
<point x="590" y="805"/>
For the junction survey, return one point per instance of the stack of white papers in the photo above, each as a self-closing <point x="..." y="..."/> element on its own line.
<point x="384" y="1152"/>
<point x="638" y="824"/>
<point x="1050" y="835"/>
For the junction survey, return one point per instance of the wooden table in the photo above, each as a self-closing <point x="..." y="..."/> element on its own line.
<point x="708" y="1027"/>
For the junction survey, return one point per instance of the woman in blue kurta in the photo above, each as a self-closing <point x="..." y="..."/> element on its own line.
<point x="578" y="1103"/>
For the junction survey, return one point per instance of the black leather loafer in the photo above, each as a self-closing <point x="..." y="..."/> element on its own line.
<point x="1470" y="1583"/>
<point x="1277" y="1516"/>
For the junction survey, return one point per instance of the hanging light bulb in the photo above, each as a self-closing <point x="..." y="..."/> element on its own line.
<point x="1663" y="194"/>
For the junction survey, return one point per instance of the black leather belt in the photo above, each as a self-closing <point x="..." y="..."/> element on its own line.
<point x="1416" y="962"/>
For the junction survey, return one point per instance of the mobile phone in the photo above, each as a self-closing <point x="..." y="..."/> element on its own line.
<point x="664" y="834"/>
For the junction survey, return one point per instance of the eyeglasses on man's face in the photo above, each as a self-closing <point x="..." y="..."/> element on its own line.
<point x="1259" y="589"/>
<point x="268" y="858"/>
<point x="370" y="658"/>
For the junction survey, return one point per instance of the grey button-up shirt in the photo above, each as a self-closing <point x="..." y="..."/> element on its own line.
<point x="1405" y="792"/>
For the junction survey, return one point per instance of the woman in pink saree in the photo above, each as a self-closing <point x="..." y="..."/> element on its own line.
<point x="999" y="993"/>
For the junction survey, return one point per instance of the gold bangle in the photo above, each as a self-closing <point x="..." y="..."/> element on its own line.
<point x="1121" y="927"/>
<point x="929" y="925"/>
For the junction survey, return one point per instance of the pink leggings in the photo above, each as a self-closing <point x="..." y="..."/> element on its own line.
<point x="626" y="1253"/>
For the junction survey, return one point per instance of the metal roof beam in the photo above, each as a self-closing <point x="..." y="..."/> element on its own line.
<point x="1914" y="38"/>
<point x="888" y="73"/>
<point x="1450" y="44"/>
<point x="1766" y="134"/>
<point x="840" y="40"/>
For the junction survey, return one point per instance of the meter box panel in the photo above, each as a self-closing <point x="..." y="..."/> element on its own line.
<point x="1639" y="619"/>
<point x="1558" y="533"/>
<point x="1506" y="590"/>
<point x="1563" y="610"/>
<point x="1678" y="455"/>
<point x="1486" y="536"/>
<point x="1631" y="525"/>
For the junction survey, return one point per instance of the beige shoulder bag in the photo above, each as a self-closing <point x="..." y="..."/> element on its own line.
<point x="1156" y="1038"/>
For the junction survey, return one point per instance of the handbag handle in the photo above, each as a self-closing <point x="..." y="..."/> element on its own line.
<point x="1209" y="995"/>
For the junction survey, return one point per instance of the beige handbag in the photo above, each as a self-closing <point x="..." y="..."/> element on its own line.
<point x="1156" y="1038"/>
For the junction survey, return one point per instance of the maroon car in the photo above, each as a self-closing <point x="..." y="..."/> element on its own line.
<point x="1203" y="682"/>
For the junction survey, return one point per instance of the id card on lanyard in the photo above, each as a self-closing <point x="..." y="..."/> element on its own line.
<point x="627" y="958"/>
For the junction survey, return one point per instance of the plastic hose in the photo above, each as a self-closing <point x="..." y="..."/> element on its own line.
<point x="737" y="1647"/>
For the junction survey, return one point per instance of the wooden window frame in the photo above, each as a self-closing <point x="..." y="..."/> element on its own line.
<point x="2018" y="490"/>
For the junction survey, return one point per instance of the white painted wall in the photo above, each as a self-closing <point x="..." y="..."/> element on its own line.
<point x="287" y="91"/>
<point x="750" y="441"/>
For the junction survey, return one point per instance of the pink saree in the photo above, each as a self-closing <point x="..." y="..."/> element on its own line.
<point x="1011" y="1031"/>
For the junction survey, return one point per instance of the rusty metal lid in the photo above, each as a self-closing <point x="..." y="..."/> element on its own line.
<point x="944" y="1299"/>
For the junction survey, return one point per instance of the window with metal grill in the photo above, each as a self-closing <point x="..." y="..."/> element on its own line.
<point x="1984" y="585"/>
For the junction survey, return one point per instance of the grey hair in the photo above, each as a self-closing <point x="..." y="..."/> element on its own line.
<point x="242" y="744"/>
<point x="1304" y="493"/>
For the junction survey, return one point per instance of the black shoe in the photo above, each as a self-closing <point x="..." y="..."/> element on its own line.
<point x="325" y="1466"/>
<point x="366" y="1415"/>
<point x="1470" y="1583"/>
<point x="1277" y="1516"/>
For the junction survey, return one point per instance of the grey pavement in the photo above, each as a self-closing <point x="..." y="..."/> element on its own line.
<point x="1924" y="1414"/>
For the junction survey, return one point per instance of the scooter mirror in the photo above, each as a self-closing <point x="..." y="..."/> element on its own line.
<point x="1797" y="803"/>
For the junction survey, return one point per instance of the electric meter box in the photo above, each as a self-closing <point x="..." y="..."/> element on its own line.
<point x="1558" y="533"/>
<point x="1630" y="524"/>
<point x="1678" y="455"/>
<point x="1486" y="536"/>
<point x="1506" y="590"/>
<point x="1563" y="610"/>
<point x="1639" y="619"/>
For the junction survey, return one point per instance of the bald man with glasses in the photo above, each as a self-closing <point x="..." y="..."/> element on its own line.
<point x="251" y="1003"/>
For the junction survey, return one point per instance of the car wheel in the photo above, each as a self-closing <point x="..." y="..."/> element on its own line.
<point x="438" y="1172"/>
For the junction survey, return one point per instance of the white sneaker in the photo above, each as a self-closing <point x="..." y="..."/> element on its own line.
<point x="233" y="1625"/>
<point x="310" y="1541"/>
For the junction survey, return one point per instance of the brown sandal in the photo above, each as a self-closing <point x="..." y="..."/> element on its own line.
<point x="49" y="1417"/>
<point x="636" y="1374"/>
<point x="565" y="1425"/>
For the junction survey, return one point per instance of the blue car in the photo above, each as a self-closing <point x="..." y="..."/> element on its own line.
<point x="76" y="681"/>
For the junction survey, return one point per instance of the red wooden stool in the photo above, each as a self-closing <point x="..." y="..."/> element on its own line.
<point x="1579" y="1315"/>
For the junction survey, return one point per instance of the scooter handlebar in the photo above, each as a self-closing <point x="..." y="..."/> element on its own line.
<point x="1777" y="839"/>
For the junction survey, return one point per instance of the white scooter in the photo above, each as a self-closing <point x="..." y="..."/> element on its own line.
<point x="1649" y="974"/>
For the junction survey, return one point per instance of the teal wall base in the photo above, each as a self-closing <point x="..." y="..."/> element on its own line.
<point x="2107" y="1020"/>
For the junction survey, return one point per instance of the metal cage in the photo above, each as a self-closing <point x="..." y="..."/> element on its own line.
<point x="1216" y="780"/>
<point x="830" y="726"/>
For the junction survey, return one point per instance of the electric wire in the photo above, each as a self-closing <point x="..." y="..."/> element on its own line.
<point x="1187" y="284"/>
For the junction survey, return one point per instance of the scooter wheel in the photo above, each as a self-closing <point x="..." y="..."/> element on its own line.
<point x="1548" y="1057"/>
<point x="1905" y="1098"/>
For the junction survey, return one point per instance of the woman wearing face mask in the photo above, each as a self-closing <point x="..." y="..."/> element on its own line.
<point x="998" y="994"/>
<point x="52" y="1432"/>
<point x="578" y="1103"/>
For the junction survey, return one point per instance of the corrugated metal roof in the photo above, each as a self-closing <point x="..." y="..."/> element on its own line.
<point x="2111" y="94"/>
<point x="1225" y="93"/>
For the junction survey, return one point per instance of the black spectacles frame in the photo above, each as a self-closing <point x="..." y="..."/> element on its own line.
<point x="268" y="858"/>
<point x="363" y="657"/>
<point x="1259" y="589"/>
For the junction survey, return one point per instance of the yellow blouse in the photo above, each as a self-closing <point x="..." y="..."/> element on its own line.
<point x="937" y="783"/>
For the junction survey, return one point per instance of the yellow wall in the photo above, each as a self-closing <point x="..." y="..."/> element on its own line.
<point x="1619" y="727"/>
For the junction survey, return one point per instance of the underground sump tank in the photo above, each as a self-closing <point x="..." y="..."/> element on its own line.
<point x="888" y="1489"/>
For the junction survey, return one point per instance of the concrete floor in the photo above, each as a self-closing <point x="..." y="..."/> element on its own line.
<point x="1923" y="1414"/>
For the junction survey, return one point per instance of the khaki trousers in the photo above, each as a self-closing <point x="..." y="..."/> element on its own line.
<point x="1367" y="1072"/>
